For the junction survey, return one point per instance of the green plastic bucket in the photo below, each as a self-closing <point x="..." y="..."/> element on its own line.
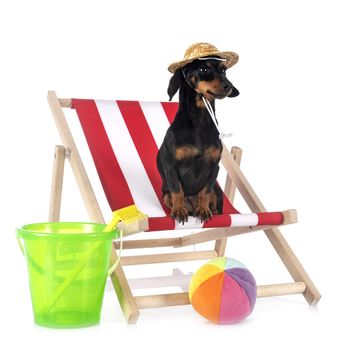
<point x="68" y="265"/>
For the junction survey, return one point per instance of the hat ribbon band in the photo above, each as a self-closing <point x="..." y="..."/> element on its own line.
<point x="212" y="58"/>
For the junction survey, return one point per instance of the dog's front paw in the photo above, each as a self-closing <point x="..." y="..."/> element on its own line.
<point x="203" y="213"/>
<point x="179" y="213"/>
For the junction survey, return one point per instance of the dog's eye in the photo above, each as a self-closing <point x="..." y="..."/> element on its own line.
<point x="204" y="70"/>
<point x="223" y="70"/>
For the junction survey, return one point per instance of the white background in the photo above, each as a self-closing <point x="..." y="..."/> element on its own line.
<point x="285" y="120"/>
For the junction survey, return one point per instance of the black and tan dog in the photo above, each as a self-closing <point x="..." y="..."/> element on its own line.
<point x="189" y="156"/>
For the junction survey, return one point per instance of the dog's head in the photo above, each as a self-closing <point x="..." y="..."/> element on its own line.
<point x="207" y="77"/>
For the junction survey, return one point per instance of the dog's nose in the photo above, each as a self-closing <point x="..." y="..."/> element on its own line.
<point x="227" y="86"/>
<point x="228" y="89"/>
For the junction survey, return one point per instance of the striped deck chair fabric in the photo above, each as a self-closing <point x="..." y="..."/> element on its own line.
<point x="124" y="138"/>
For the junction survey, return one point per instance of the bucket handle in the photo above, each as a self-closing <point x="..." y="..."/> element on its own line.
<point x="115" y="264"/>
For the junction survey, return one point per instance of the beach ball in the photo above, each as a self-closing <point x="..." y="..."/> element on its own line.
<point x="223" y="291"/>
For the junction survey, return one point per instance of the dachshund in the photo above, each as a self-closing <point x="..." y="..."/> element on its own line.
<point x="188" y="159"/>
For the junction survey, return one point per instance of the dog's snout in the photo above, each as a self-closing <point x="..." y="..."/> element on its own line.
<point x="228" y="88"/>
<point x="226" y="84"/>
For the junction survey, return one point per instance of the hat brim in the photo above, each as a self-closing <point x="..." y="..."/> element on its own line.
<point x="231" y="59"/>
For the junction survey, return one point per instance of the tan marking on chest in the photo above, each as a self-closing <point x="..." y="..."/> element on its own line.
<point x="212" y="153"/>
<point x="184" y="152"/>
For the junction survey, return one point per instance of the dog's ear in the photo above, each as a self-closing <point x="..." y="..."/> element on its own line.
<point x="174" y="83"/>
<point x="234" y="92"/>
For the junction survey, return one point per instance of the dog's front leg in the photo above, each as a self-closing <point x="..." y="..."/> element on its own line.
<point x="204" y="197"/>
<point x="178" y="210"/>
<point x="203" y="205"/>
<point x="176" y="200"/>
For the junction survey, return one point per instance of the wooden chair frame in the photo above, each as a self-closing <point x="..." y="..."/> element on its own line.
<point x="235" y="180"/>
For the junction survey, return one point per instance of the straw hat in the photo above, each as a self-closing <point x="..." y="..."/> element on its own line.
<point x="200" y="50"/>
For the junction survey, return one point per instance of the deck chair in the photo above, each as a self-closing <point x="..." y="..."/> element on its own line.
<point x="123" y="138"/>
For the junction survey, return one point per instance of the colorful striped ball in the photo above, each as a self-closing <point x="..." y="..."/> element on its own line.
<point x="223" y="291"/>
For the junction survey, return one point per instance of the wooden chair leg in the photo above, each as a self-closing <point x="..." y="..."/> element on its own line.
<point x="118" y="278"/>
<point x="57" y="183"/>
<point x="274" y="235"/>
<point x="125" y="298"/>
<point x="293" y="265"/>
<point x="229" y="191"/>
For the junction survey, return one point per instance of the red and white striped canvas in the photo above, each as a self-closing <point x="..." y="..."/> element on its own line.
<point x="124" y="138"/>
